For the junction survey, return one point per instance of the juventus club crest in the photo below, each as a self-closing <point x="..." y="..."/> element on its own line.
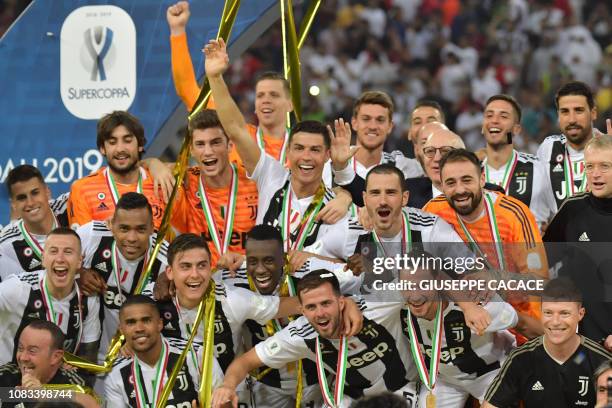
<point x="457" y="333"/>
<point x="583" y="385"/>
<point x="521" y="182"/>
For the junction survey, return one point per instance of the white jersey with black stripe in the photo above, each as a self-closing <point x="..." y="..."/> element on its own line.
<point x="96" y="243"/>
<point x="378" y="357"/>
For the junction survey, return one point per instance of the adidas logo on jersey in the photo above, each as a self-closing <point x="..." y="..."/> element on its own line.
<point x="558" y="168"/>
<point x="537" y="386"/>
<point x="101" y="267"/>
<point x="102" y="206"/>
<point x="584" y="237"/>
<point x="35" y="263"/>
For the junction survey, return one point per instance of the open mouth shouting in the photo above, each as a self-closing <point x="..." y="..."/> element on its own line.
<point x="60" y="272"/>
<point x="323" y="324"/>
<point x="463" y="201"/>
<point x="383" y="213"/>
<point x="209" y="164"/>
<point x="194" y="287"/>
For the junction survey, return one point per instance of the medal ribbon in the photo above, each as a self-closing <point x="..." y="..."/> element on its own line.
<point x="30" y="240"/>
<point x="508" y="172"/>
<point x="406" y="236"/>
<point x="112" y="186"/>
<point x="221" y="242"/>
<point x="307" y="222"/>
<point x="192" y="352"/>
<point x="569" y="176"/>
<point x="428" y="377"/>
<point x="335" y="400"/>
<point x="158" y="381"/>
<point x="50" y="311"/>
<point x="117" y="269"/>
<point x="282" y="157"/>
<point x="489" y="207"/>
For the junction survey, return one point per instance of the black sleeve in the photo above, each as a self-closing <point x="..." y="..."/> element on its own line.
<point x="555" y="232"/>
<point x="356" y="188"/>
<point x="504" y="390"/>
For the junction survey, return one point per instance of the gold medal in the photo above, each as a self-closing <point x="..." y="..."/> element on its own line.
<point x="430" y="402"/>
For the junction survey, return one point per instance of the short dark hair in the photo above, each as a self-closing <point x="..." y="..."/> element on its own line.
<point x="387" y="168"/>
<point x="205" y="119"/>
<point x="510" y="99"/>
<point x="316" y="279"/>
<point x="561" y="290"/>
<point x="185" y="242"/>
<point x="57" y="336"/>
<point x="139" y="300"/>
<point x="311" y="126"/>
<point x="459" y="155"/>
<point x="575" y="88"/>
<point x="111" y="121"/>
<point x="264" y="232"/>
<point x="430" y="103"/>
<point x="21" y="173"/>
<point x="133" y="201"/>
<point x="384" y="399"/>
<point x="65" y="231"/>
<point x="274" y="76"/>
<point x="374" y="98"/>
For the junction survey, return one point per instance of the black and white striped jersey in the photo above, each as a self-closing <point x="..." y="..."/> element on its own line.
<point x="528" y="183"/>
<point x="465" y="356"/>
<point x="233" y="307"/>
<point x="21" y="301"/>
<point x="378" y="356"/>
<point x="16" y="256"/>
<point x="97" y="241"/>
<point x="120" y="385"/>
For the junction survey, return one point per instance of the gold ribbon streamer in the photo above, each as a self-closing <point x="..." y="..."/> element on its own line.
<point x="161" y="402"/>
<point x="228" y="16"/>
<point x="81" y="389"/>
<point x="291" y="57"/>
<point x="205" y="390"/>
<point x="230" y="10"/>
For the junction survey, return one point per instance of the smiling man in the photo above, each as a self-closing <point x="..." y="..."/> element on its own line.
<point x="263" y="272"/>
<point x="587" y="218"/>
<point x="467" y="362"/>
<point x="52" y="295"/>
<point x="563" y="155"/>
<point x="218" y="200"/>
<point x="556" y="369"/>
<point x="121" y="140"/>
<point x="39" y="359"/>
<point x="290" y="199"/>
<point x="521" y="175"/>
<point x="115" y="254"/>
<point x="138" y="381"/>
<point x="374" y="360"/>
<point x="21" y="244"/>
<point x="497" y="227"/>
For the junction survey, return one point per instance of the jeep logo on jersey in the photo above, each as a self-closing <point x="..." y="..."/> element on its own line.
<point x="97" y="61"/>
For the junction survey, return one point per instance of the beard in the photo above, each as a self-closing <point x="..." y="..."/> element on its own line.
<point x="475" y="201"/>
<point x="130" y="167"/>
<point x="578" y="138"/>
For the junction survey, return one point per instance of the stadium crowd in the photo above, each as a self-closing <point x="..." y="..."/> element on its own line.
<point x="291" y="231"/>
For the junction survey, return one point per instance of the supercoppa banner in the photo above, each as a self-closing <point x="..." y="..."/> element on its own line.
<point x="64" y="64"/>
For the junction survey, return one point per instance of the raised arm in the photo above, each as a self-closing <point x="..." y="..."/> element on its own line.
<point x="236" y="372"/>
<point x="217" y="62"/>
<point x="183" y="75"/>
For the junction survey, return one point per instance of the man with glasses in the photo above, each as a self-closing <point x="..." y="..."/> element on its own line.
<point x="587" y="217"/>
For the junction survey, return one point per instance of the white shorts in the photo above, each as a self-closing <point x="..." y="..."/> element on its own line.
<point x="454" y="395"/>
